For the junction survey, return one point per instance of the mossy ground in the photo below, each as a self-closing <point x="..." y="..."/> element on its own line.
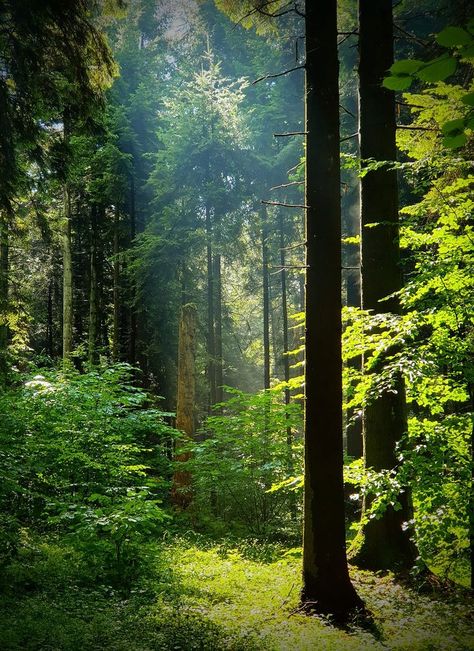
<point x="203" y="596"/>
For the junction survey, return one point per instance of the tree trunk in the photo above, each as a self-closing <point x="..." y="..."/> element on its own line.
<point x="67" y="276"/>
<point x="266" y="299"/>
<point x="211" y="341"/>
<point x="326" y="584"/>
<point x="4" y="298"/>
<point x="132" y="341"/>
<point x="181" y="493"/>
<point x="50" y="322"/>
<point x="354" y="429"/>
<point x="384" y="544"/>
<point x="219" y="365"/>
<point x="116" y="289"/>
<point x="471" y="495"/>
<point x="93" y="290"/>
<point x="286" y="361"/>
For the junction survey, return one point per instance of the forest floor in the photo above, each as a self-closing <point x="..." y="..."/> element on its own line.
<point x="196" y="595"/>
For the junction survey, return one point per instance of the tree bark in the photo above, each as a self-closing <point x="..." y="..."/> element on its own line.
<point x="132" y="341"/>
<point x="67" y="275"/>
<point x="286" y="361"/>
<point x="471" y="495"/>
<point x="326" y="584"/>
<point x="384" y="543"/>
<point x="219" y="364"/>
<point x="181" y="493"/>
<point x="211" y="342"/>
<point x="93" y="290"/>
<point x="4" y="295"/>
<point x="116" y="288"/>
<point x="355" y="448"/>
<point x="266" y="299"/>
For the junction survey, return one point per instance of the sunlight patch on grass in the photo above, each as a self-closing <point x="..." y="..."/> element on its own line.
<point x="257" y="602"/>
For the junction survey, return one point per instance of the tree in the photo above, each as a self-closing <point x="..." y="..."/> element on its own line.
<point x="385" y="542"/>
<point x="185" y="409"/>
<point x="326" y="583"/>
<point x="53" y="57"/>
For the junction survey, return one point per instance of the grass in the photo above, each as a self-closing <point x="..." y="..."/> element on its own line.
<point x="199" y="596"/>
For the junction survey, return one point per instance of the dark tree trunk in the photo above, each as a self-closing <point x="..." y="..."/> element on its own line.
<point x="286" y="361"/>
<point x="326" y="584"/>
<point x="50" y="321"/>
<point x="219" y="366"/>
<point x="116" y="288"/>
<point x="132" y="317"/>
<point x="93" y="290"/>
<point x="266" y="299"/>
<point x="284" y="307"/>
<point x="4" y="298"/>
<point x="211" y="341"/>
<point x="471" y="495"/>
<point x="354" y="429"/>
<point x="384" y="544"/>
<point x="67" y="276"/>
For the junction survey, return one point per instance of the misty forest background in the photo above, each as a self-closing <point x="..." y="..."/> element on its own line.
<point x="236" y="305"/>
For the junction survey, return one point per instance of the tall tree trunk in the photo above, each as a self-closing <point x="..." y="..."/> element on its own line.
<point x="211" y="342"/>
<point x="286" y="361"/>
<point x="354" y="429"/>
<point x="326" y="584"/>
<point x="93" y="290"/>
<point x="132" y="341"/>
<point x="266" y="299"/>
<point x="4" y="298"/>
<point x="116" y="288"/>
<point x="384" y="543"/>
<point x="49" y="321"/>
<point x="67" y="275"/>
<point x="181" y="494"/>
<point x="471" y="494"/>
<point x="218" y="327"/>
<point x="284" y="307"/>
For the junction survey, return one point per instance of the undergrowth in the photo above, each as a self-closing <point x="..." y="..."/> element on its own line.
<point x="199" y="595"/>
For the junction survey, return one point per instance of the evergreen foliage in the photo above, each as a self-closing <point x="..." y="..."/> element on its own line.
<point x="153" y="155"/>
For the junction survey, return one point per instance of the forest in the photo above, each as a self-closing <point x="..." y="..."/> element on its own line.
<point x="236" y="325"/>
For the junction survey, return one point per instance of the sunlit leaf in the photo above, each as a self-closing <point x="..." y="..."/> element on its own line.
<point x="399" y="82"/>
<point x="406" y="66"/>
<point x="438" y="69"/>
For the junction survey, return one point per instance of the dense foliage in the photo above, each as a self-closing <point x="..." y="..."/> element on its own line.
<point x="151" y="157"/>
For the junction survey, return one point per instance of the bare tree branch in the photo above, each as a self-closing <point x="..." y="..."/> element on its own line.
<point x="285" y="205"/>
<point x="278" y="74"/>
<point x="287" y="185"/>
<point x="290" y="133"/>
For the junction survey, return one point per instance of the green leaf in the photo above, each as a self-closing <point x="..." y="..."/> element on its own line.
<point x="438" y="69"/>
<point x="453" y="127"/>
<point x="453" y="142"/>
<point x="467" y="51"/>
<point x="470" y="123"/>
<point x="453" y="36"/>
<point x="397" y="82"/>
<point x="407" y="66"/>
<point x="468" y="99"/>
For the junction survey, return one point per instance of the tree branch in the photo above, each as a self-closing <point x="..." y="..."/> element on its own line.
<point x="290" y="133"/>
<point x="414" y="128"/>
<point x="285" y="205"/>
<point x="287" y="185"/>
<point x="353" y="135"/>
<point x="278" y="74"/>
